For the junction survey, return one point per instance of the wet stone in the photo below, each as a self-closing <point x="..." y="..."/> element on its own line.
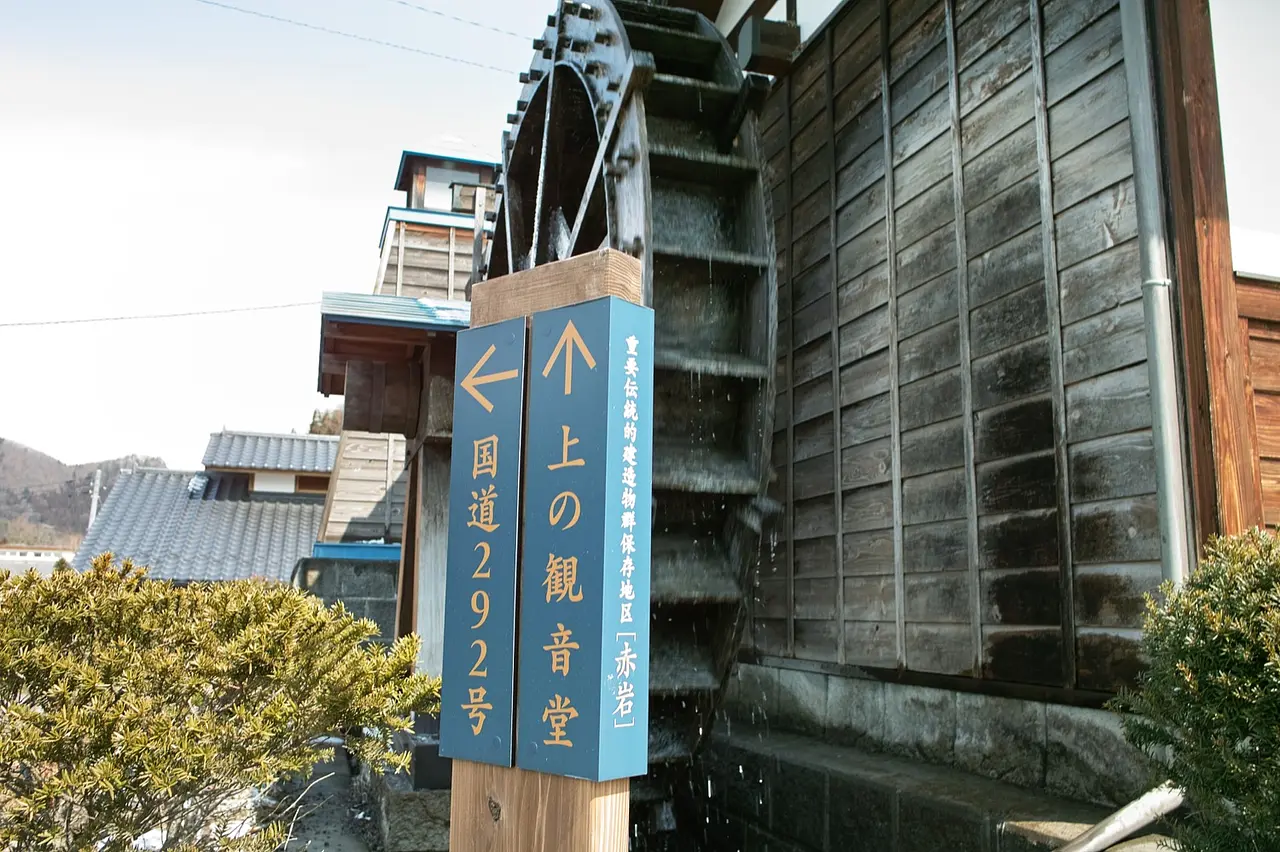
<point x="740" y="780"/>
<point x="1001" y="738"/>
<point x="802" y="701"/>
<point x="798" y="803"/>
<point x="856" y="712"/>
<point x="861" y="815"/>
<point x="929" y="826"/>
<point x="753" y="694"/>
<point x="1088" y="758"/>
<point x="920" y="723"/>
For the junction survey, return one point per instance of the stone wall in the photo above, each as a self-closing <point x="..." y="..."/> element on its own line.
<point x="367" y="589"/>
<point x="1075" y="752"/>
<point x="789" y="793"/>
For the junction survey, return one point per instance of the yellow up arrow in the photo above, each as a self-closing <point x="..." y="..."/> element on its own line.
<point x="568" y="340"/>
<point x="473" y="380"/>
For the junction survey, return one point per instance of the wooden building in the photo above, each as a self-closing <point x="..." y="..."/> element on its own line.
<point x="964" y="443"/>
<point x="391" y="359"/>
<point x="1020" y="381"/>
<point x="426" y="246"/>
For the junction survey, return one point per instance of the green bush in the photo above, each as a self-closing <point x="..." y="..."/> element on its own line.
<point x="1207" y="711"/>
<point x="131" y="706"/>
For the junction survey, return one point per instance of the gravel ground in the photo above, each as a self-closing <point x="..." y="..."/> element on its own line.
<point x="334" y="819"/>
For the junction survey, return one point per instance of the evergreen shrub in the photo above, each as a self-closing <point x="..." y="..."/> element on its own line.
<point x="1207" y="710"/>
<point x="131" y="707"/>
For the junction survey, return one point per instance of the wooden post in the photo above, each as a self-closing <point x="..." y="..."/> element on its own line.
<point x="400" y="260"/>
<point x="499" y="809"/>
<point x="1224" y="466"/>
<point x="477" y="240"/>
<point x="406" y="622"/>
<point x="453" y="237"/>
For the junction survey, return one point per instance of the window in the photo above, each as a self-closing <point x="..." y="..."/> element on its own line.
<point x="313" y="484"/>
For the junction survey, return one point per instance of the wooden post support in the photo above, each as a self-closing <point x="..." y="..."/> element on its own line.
<point x="507" y="809"/>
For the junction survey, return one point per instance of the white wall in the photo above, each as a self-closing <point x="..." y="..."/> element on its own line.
<point x="274" y="483"/>
<point x="438" y="194"/>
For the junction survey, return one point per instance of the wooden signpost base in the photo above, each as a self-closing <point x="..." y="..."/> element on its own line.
<point x="499" y="809"/>
<point x="514" y="810"/>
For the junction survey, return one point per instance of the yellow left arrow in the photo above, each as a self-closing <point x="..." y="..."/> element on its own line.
<point x="474" y="380"/>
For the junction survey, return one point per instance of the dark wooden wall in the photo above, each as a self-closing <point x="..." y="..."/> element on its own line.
<point x="963" y="439"/>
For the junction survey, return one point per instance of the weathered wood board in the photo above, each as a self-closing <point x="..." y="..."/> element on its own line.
<point x="366" y="499"/>
<point x="962" y="441"/>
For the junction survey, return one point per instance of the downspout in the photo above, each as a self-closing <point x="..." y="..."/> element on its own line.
<point x="1167" y="436"/>
<point x="1172" y="494"/>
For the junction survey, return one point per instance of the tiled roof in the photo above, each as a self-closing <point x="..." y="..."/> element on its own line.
<point x="202" y="526"/>
<point x="251" y="451"/>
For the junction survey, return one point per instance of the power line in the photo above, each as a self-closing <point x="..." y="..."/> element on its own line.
<point x="466" y="21"/>
<point x="321" y="29"/>
<point x="158" y="316"/>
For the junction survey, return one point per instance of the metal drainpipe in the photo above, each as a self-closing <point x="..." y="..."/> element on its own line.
<point x="1172" y="495"/>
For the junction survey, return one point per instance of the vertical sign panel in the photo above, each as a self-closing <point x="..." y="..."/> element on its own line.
<point x="584" y="589"/>
<point x="477" y="703"/>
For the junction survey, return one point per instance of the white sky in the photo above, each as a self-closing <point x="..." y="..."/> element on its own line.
<point x="165" y="155"/>
<point x="1248" y="68"/>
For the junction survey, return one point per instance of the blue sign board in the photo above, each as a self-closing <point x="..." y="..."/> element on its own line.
<point x="583" y="683"/>
<point x="477" y="703"/>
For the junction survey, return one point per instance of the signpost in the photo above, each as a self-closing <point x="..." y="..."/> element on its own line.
<point x="584" y="589"/>
<point x="477" y="688"/>
<point x="583" y="507"/>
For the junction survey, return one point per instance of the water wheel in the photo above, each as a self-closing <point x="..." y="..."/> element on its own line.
<point x="636" y="129"/>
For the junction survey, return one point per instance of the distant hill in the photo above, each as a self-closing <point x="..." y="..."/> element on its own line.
<point x="45" y="502"/>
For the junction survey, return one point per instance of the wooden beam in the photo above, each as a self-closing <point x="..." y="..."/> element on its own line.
<point x="500" y="809"/>
<point x="1053" y="310"/>
<point x="433" y="553"/>
<point x="453" y="240"/>
<point x="377" y="333"/>
<point x="732" y="14"/>
<point x="400" y="260"/>
<point x="766" y="47"/>
<point x="477" y="241"/>
<point x="1224" y="461"/>
<point x="424" y="404"/>
<point x="383" y="262"/>
<point x="406" y="593"/>
<point x="369" y="350"/>
<point x="382" y="397"/>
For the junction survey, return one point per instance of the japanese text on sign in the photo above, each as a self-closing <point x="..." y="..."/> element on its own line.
<point x="477" y="701"/>
<point x="583" y="675"/>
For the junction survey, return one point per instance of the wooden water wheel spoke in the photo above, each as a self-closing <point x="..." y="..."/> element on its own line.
<point x="636" y="131"/>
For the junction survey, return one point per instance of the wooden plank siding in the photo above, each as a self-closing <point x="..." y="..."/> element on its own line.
<point x="963" y="441"/>
<point x="425" y="261"/>
<point x="1259" y="311"/>
<point x="367" y="490"/>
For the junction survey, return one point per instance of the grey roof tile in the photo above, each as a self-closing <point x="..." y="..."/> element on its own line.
<point x="221" y="532"/>
<point x="253" y="451"/>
